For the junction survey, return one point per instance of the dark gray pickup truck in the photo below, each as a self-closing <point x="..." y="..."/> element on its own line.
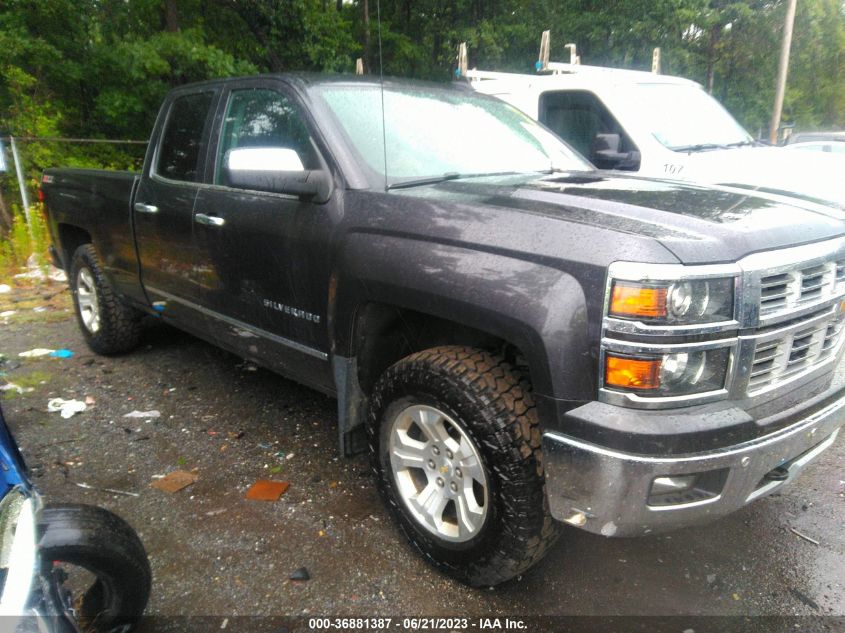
<point x="520" y="339"/>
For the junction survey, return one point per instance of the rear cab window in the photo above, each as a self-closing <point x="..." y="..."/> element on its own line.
<point x="183" y="139"/>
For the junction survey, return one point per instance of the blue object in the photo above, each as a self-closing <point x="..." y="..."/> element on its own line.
<point x="12" y="468"/>
<point x="538" y="65"/>
<point x="61" y="353"/>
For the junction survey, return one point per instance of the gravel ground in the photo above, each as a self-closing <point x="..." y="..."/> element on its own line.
<point x="214" y="553"/>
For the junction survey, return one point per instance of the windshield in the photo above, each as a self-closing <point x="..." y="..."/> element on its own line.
<point x="684" y="117"/>
<point x="432" y="133"/>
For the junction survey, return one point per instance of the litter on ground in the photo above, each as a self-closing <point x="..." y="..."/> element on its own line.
<point x="809" y="539"/>
<point x="17" y="388"/>
<point x="68" y="408"/>
<point x="36" y="353"/>
<point x="4" y="288"/>
<point x="143" y="414"/>
<point x="175" y="481"/>
<point x="61" y="353"/>
<point x="109" y="490"/>
<point x="300" y="575"/>
<point x="266" y="490"/>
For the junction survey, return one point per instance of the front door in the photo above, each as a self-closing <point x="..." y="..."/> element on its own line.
<point x="263" y="261"/>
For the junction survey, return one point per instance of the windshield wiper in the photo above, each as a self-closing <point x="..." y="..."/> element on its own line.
<point x="450" y="175"/>
<point x="745" y="143"/>
<point x="700" y="147"/>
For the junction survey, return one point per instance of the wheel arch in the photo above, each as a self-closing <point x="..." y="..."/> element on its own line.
<point x="71" y="237"/>
<point x="381" y="311"/>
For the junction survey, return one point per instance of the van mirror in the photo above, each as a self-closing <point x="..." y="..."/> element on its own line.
<point x="276" y="170"/>
<point x="605" y="153"/>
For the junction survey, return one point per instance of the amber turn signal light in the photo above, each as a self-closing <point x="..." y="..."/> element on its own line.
<point x="632" y="373"/>
<point x="635" y="300"/>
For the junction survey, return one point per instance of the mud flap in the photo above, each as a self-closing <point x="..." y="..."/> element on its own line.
<point x="351" y="406"/>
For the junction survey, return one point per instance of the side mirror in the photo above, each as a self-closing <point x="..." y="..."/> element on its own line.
<point x="277" y="170"/>
<point x="605" y="153"/>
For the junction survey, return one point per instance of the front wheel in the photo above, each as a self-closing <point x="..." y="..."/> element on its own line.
<point x="456" y="448"/>
<point x="96" y="567"/>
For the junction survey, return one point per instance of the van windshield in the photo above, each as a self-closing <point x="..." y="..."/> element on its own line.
<point x="685" y="118"/>
<point x="433" y="132"/>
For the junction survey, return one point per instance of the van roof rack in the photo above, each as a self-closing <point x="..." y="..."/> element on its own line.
<point x="546" y="68"/>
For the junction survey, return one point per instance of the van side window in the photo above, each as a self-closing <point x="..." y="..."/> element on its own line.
<point x="577" y="116"/>
<point x="182" y="141"/>
<point x="267" y="119"/>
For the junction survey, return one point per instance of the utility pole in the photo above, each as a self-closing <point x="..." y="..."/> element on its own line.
<point x="367" y="56"/>
<point x="783" y="69"/>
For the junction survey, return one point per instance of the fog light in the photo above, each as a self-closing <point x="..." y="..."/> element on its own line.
<point x="663" y="485"/>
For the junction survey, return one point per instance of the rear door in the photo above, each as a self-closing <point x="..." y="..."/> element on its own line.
<point x="164" y="205"/>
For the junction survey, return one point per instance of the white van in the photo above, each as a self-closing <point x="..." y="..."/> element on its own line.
<point x="661" y="126"/>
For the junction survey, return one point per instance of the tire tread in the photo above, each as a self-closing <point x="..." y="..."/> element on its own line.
<point x="512" y="448"/>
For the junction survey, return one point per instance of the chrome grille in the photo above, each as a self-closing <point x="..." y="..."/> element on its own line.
<point x="802" y="286"/>
<point x="793" y="352"/>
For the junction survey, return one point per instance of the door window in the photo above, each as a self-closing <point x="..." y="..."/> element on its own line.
<point x="269" y="123"/>
<point x="577" y="116"/>
<point x="182" y="140"/>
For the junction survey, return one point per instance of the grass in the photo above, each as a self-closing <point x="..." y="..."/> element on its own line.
<point x="22" y="242"/>
<point x="21" y="248"/>
<point x="32" y="380"/>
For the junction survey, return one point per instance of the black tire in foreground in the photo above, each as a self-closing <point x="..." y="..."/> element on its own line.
<point x="108" y="325"/>
<point x="455" y="441"/>
<point x="104" y="545"/>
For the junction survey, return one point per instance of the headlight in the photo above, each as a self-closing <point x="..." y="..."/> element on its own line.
<point x="685" y="302"/>
<point x="674" y="374"/>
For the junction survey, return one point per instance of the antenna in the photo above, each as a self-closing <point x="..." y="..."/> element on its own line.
<point x="381" y="84"/>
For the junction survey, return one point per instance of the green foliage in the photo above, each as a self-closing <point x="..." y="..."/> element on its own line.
<point x="23" y="242"/>
<point x="99" y="68"/>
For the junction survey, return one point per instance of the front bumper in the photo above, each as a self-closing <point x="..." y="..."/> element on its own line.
<point x="611" y="492"/>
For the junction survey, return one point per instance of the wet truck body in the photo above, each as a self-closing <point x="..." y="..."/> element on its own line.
<point x="644" y="354"/>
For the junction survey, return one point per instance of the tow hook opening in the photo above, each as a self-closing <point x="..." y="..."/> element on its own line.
<point x="780" y="473"/>
<point x="676" y="490"/>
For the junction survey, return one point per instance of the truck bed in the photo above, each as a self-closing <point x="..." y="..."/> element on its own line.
<point x="101" y="201"/>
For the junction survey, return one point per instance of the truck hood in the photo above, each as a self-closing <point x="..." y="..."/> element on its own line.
<point x="814" y="175"/>
<point x="698" y="224"/>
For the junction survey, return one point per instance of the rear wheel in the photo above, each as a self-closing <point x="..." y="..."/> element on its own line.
<point x="456" y="449"/>
<point x="109" y="325"/>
